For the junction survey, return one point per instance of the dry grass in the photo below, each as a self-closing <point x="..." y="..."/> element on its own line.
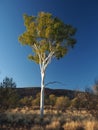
<point x="53" y="126"/>
<point x="91" y="125"/>
<point x="74" y="120"/>
<point x="73" y="126"/>
<point x="36" y="127"/>
<point x="87" y="125"/>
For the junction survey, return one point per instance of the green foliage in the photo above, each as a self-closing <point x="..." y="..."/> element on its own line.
<point x="45" y="34"/>
<point x="8" y="83"/>
<point x="8" y="93"/>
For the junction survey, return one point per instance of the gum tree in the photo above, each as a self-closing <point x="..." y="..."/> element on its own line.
<point x="49" y="38"/>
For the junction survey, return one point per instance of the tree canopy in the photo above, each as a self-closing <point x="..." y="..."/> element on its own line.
<point x="47" y="35"/>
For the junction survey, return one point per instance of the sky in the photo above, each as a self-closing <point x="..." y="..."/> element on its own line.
<point x="77" y="70"/>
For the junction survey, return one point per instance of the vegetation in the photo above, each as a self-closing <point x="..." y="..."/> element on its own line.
<point x="95" y="87"/>
<point x="9" y="98"/>
<point x="28" y="119"/>
<point x="8" y="94"/>
<point x="61" y="112"/>
<point x="49" y="38"/>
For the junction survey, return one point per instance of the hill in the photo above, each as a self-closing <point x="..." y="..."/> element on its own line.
<point x="32" y="91"/>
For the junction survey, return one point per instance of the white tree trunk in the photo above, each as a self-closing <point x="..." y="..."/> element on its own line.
<point x="44" y="60"/>
<point x="43" y="67"/>
<point x="42" y="94"/>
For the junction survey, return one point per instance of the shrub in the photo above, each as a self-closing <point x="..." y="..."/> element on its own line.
<point x="55" y="125"/>
<point x="73" y="126"/>
<point x="8" y="94"/>
<point x="62" y="103"/>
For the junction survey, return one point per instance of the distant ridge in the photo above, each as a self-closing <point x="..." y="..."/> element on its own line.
<point x="32" y="91"/>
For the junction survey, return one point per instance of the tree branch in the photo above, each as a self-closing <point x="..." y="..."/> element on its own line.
<point x="39" y="54"/>
<point x="55" y="82"/>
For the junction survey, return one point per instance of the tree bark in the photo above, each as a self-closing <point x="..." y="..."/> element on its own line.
<point x="43" y="67"/>
<point x="42" y="94"/>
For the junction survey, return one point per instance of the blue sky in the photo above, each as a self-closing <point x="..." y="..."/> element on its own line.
<point x="78" y="69"/>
